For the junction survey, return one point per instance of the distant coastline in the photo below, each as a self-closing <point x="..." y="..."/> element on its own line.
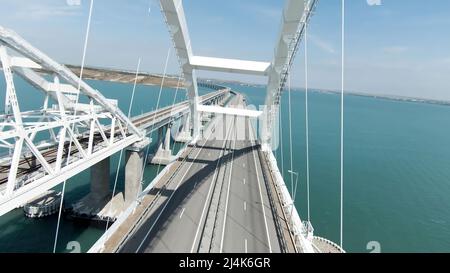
<point x="351" y="93"/>
<point x="387" y="97"/>
<point x="172" y="81"/>
<point x="123" y="76"/>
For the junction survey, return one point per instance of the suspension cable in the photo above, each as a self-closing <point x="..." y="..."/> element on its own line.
<point x="281" y="138"/>
<point x="342" y="125"/>
<point x="307" y="122"/>
<point x="88" y="27"/>
<point x="290" y="136"/>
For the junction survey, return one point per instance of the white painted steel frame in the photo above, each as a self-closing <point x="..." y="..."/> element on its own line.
<point x="67" y="122"/>
<point x="229" y="111"/>
<point x="295" y="16"/>
<point x="14" y="41"/>
<point x="35" y="188"/>
<point x="175" y="19"/>
<point x="230" y="65"/>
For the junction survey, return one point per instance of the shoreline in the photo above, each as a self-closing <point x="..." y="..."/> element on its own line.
<point x="172" y="81"/>
<point x="122" y="76"/>
<point x="349" y="93"/>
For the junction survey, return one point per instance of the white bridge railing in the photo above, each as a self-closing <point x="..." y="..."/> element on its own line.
<point x="302" y="235"/>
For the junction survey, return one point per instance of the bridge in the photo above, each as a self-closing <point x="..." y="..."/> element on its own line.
<point x="222" y="193"/>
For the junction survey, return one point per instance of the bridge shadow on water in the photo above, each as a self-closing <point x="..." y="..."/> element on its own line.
<point x="197" y="175"/>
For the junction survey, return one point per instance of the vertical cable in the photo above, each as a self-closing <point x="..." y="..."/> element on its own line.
<point x="307" y="122"/>
<point x="162" y="84"/>
<point x="342" y="125"/>
<point x="88" y="27"/>
<point x="281" y="139"/>
<point x="290" y="136"/>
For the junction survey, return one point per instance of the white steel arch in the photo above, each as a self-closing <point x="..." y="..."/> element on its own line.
<point x="296" y="14"/>
<point x="175" y="19"/>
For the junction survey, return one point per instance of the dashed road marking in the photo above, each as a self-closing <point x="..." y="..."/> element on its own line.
<point x="181" y="214"/>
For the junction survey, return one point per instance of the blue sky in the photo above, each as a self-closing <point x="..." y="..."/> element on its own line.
<point x="401" y="47"/>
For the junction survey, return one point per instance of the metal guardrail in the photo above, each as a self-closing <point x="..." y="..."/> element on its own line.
<point x="278" y="225"/>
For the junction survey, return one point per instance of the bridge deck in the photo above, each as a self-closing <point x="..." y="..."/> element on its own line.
<point x="214" y="199"/>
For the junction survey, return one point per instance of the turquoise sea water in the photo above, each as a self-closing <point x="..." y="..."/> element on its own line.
<point x="397" y="171"/>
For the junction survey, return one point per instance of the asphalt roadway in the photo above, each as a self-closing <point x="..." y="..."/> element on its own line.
<point x="216" y="202"/>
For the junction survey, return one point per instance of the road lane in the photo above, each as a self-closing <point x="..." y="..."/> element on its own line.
<point x="243" y="214"/>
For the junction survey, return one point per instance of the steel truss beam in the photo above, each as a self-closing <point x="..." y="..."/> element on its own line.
<point x="95" y="130"/>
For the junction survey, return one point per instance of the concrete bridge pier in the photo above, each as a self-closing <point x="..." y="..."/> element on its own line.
<point x="163" y="155"/>
<point x="247" y="129"/>
<point x="98" y="204"/>
<point x="184" y="135"/>
<point x="100" y="179"/>
<point x="134" y="163"/>
<point x="95" y="204"/>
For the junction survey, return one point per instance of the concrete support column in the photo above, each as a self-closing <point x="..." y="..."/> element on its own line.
<point x="100" y="179"/>
<point x="186" y="127"/>
<point x="186" y="124"/>
<point x="166" y="144"/>
<point x="134" y="160"/>
<point x="163" y="155"/>
<point x="247" y="128"/>
<point x="224" y="126"/>
<point x="184" y="135"/>
<point x="160" y="136"/>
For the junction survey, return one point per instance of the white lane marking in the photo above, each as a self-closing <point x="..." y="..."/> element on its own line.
<point x="244" y="181"/>
<point x="228" y="197"/>
<point x="260" y="195"/>
<point x="181" y="214"/>
<point x="210" y="190"/>
<point x="243" y="164"/>
<point x="245" y="205"/>
<point x="245" y="243"/>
